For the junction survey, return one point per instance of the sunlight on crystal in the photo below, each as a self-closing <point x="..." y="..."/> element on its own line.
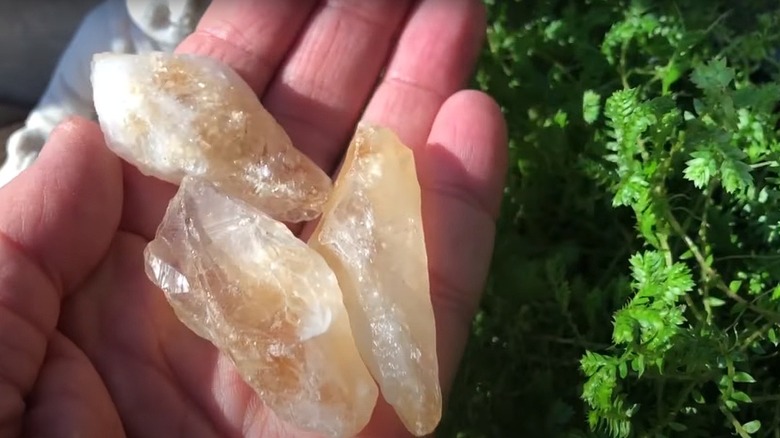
<point x="317" y="329"/>
<point x="371" y="235"/>
<point x="175" y="115"/>
<point x="269" y="302"/>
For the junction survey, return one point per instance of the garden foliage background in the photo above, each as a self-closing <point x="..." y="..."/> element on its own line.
<point x="634" y="287"/>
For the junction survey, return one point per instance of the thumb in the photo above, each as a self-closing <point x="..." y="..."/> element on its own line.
<point x="57" y="219"/>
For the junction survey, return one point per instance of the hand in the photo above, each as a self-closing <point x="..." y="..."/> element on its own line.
<point x="89" y="347"/>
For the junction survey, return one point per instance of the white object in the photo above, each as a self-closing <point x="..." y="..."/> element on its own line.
<point x="120" y="26"/>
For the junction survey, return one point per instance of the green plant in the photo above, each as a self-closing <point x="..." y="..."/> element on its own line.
<point x="635" y="282"/>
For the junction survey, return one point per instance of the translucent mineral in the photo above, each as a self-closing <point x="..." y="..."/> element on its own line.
<point x="371" y="234"/>
<point x="172" y="115"/>
<point x="242" y="280"/>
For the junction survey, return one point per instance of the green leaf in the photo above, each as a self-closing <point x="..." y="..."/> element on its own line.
<point x="752" y="426"/>
<point x="713" y="75"/>
<point x="560" y="119"/>
<point x="772" y="335"/>
<point x="736" y="175"/>
<point x="741" y="397"/>
<point x="743" y="377"/>
<point x="669" y="75"/>
<point x="630" y="190"/>
<point x="776" y="292"/>
<point x="677" y="427"/>
<point x="591" y="106"/>
<point x="638" y="365"/>
<point x="714" y="301"/>
<point x="624" y="329"/>
<point x="701" y="168"/>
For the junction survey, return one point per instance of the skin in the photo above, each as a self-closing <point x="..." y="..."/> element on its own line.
<point x="90" y="348"/>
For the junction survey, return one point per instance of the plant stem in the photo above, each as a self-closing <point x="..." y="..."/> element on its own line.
<point x="675" y="409"/>
<point x="734" y="422"/>
<point x="755" y="335"/>
<point x="711" y="275"/>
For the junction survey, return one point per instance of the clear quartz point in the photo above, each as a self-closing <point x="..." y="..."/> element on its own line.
<point x="243" y="281"/>
<point x="172" y="115"/>
<point x="371" y="234"/>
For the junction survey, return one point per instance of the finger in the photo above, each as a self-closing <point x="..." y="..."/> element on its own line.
<point x="325" y="84"/>
<point x="145" y="201"/>
<point x="434" y="58"/>
<point x="57" y="220"/>
<point x="63" y="212"/>
<point x="462" y="171"/>
<point x="250" y="36"/>
<point x="69" y="397"/>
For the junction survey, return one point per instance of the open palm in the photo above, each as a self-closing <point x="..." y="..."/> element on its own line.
<point x="89" y="347"/>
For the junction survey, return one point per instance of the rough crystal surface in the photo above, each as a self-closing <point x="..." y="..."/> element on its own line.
<point x="242" y="280"/>
<point x="172" y="115"/>
<point x="371" y="235"/>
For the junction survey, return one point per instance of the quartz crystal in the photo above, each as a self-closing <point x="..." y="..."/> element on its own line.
<point x="309" y="327"/>
<point x="172" y="115"/>
<point x="242" y="280"/>
<point x="371" y="234"/>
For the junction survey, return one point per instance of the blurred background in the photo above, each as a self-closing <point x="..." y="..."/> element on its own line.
<point x="33" y="34"/>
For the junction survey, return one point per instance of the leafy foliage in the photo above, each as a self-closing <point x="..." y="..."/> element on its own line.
<point x="635" y="286"/>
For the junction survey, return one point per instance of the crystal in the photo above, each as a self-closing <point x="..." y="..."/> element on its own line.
<point x="240" y="279"/>
<point x="172" y="115"/>
<point x="371" y="234"/>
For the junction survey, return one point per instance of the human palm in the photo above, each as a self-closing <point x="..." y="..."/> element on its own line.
<point x="89" y="347"/>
